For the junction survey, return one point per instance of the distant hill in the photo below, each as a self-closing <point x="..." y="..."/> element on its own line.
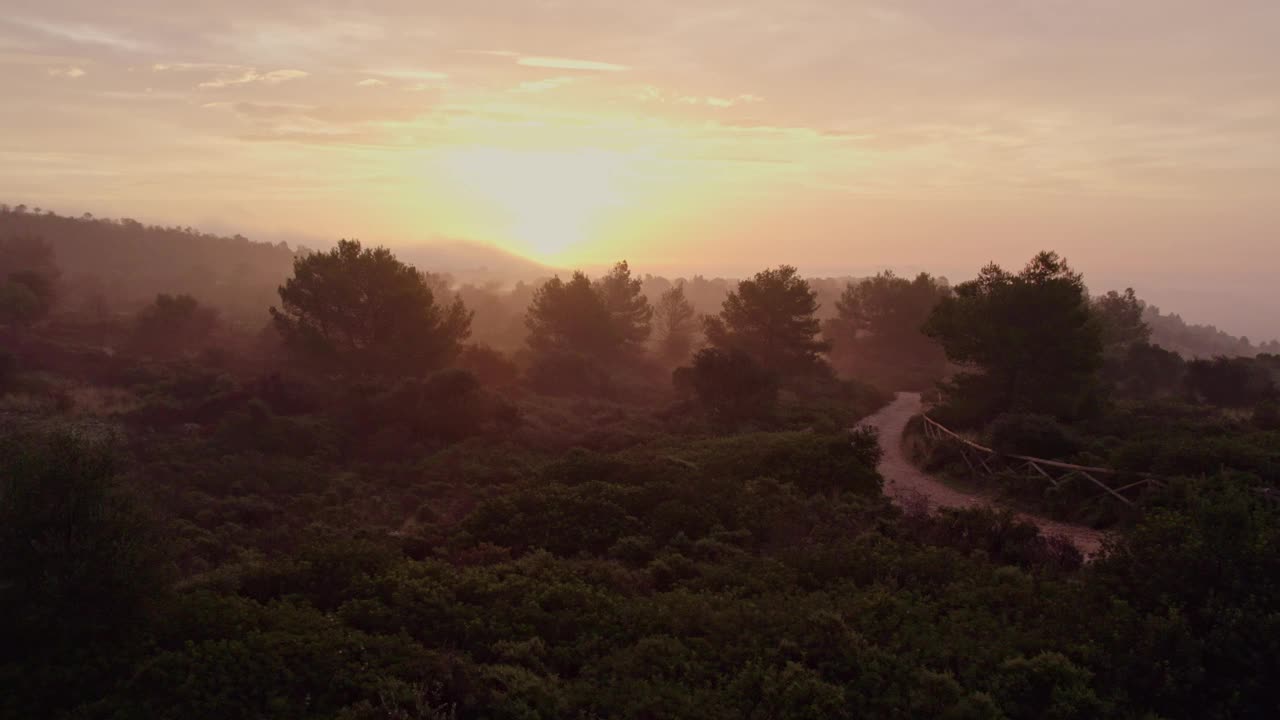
<point x="1199" y="341"/>
<point x="473" y="262"/>
<point x="125" y="263"/>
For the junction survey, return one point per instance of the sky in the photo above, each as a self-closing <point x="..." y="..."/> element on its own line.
<point x="1141" y="139"/>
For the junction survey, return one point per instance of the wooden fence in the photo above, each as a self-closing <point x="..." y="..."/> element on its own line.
<point x="1122" y="486"/>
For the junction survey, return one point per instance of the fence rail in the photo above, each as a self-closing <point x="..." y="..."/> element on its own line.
<point x="983" y="460"/>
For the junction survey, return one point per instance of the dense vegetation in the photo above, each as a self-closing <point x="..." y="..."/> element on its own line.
<point x="356" y="510"/>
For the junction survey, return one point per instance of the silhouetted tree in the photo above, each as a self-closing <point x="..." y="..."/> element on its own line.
<point x="1029" y="340"/>
<point x="490" y="366"/>
<point x="877" y="332"/>
<point x="174" y="324"/>
<point x="771" y="317"/>
<point x="606" y="320"/>
<point x="28" y="278"/>
<point x="1119" y="316"/>
<point x="1231" y="382"/>
<point x="1147" y="371"/>
<point x="629" y="312"/>
<point x="570" y="317"/>
<point x="731" y="385"/>
<point x="27" y="253"/>
<point x="362" y="311"/>
<point x="676" y="323"/>
<point x="78" y="560"/>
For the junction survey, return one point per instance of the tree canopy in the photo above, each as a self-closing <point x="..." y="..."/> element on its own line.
<point x="772" y="318"/>
<point x="607" y="319"/>
<point x="877" y="333"/>
<point x="730" y="385"/>
<point x="174" y="324"/>
<point x="630" y="315"/>
<point x="1120" y="319"/>
<point x="1029" y="339"/>
<point x="675" y="322"/>
<point x="361" y="311"/>
<point x="28" y="279"/>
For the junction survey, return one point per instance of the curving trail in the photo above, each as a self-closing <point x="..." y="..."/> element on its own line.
<point x="904" y="482"/>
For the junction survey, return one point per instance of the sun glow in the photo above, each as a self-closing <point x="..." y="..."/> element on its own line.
<point x="545" y="203"/>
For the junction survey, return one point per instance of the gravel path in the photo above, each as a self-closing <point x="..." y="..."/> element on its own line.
<point x="905" y="483"/>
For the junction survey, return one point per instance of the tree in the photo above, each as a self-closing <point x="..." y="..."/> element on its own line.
<point x="1147" y="371"/>
<point x="1119" y="316"/>
<point x="78" y="559"/>
<point x="771" y="318"/>
<point x="28" y="279"/>
<point x="1029" y="340"/>
<point x="570" y="317"/>
<point x="877" y="332"/>
<point x="606" y="320"/>
<point x="630" y="315"/>
<point x="1231" y="382"/>
<point x="362" y="311"/>
<point x="731" y="385"/>
<point x="27" y="253"/>
<point x="174" y="324"/>
<point x="676" y="322"/>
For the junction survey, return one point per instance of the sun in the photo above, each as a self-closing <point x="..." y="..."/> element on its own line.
<point x="545" y="202"/>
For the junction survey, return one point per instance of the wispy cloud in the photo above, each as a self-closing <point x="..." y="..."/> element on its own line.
<point x="371" y="82"/>
<point x="71" y="72"/>
<point x="723" y="102"/>
<point x="653" y="94"/>
<point x="249" y="75"/>
<point x="544" y="85"/>
<point x="192" y="67"/>
<point x="409" y="74"/>
<point x="229" y="75"/>
<point x="84" y="34"/>
<point x="569" y="64"/>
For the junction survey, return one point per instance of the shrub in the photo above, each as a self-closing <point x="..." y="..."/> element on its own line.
<point x="446" y="407"/>
<point x="813" y="462"/>
<point x="78" y="558"/>
<point x="1035" y="435"/>
<point x="489" y="366"/>
<point x="1266" y="416"/>
<point x="567" y="373"/>
<point x="731" y="385"/>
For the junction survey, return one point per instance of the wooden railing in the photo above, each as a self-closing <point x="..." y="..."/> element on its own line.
<point x="981" y="459"/>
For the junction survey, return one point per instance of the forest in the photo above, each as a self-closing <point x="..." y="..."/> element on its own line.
<point x="240" y="480"/>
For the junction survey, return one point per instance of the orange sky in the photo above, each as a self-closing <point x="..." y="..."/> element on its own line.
<point x="1139" y="138"/>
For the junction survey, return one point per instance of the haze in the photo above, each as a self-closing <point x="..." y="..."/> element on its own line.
<point x="1139" y="139"/>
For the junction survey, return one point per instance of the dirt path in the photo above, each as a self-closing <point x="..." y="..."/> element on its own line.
<point x="904" y="482"/>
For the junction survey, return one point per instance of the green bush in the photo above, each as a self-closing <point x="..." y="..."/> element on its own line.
<point x="1034" y="435"/>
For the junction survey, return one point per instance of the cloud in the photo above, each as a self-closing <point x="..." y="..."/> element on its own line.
<point x="410" y="74"/>
<point x="546" y="61"/>
<point x="537" y="86"/>
<point x="494" y="53"/>
<point x="71" y="72"/>
<point x="569" y="64"/>
<point x="649" y="93"/>
<point x="83" y="34"/>
<point x="371" y="82"/>
<point x="721" y="102"/>
<point x="190" y="67"/>
<point x="250" y="75"/>
<point x="263" y="110"/>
